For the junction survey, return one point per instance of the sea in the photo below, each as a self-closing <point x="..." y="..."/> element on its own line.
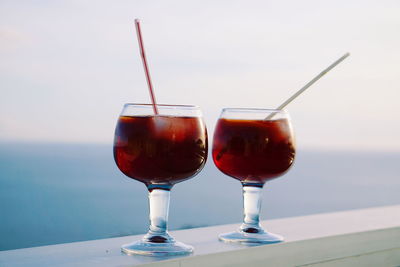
<point x="54" y="193"/>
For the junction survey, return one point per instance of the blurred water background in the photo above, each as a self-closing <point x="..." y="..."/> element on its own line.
<point x="57" y="193"/>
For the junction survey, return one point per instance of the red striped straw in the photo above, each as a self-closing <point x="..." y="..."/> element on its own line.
<point x="145" y="66"/>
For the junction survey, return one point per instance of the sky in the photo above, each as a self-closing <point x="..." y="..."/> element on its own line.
<point x="67" y="67"/>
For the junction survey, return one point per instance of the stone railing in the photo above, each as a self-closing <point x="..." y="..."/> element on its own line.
<point x="367" y="237"/>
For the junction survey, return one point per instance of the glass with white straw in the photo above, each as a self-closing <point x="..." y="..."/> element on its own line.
<point x="255" y="146"/>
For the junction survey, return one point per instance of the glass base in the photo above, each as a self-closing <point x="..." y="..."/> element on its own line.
<point x="143" y="247"/>
<point x="262" y="237"/>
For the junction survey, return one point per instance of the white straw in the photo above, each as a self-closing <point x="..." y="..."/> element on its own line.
<point x="284" y="104"/>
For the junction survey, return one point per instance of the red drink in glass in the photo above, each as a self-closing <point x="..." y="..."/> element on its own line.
<point x="253" y="150"/>
<point x="253" y="146"/>
<point x="160" y="149"/>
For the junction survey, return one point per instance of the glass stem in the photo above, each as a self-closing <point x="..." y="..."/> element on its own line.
<point x="251" y="209"/>
<point x="159" y="206"/>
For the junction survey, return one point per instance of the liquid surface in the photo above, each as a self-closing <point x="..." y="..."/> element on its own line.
<point x="160" y="149"/>
<point x="253" y="150"/>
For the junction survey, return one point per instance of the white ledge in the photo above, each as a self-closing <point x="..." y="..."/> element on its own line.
<point x="367" y="237"/>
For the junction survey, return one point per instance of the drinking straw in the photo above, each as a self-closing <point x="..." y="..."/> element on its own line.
<point x="145" y="66"/>
<point x="316" y="78"/>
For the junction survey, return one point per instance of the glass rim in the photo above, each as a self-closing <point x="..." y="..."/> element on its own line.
<point x="271" y="110"/>
<point x="162" y="105"/>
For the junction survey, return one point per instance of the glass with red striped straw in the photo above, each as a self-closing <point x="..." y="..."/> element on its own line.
<point x="160" y="146"/>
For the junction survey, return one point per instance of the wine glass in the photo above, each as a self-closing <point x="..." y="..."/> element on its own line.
<point x="160" y="151"/>
<point x="253" y="146"/>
